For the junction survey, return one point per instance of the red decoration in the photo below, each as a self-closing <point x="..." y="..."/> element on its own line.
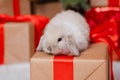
<point x="1" y="43"/>
<point x="38" y="21"/>
<point x="63" y="68"/>
<point x="16" y="7"/>
<point x="104" y="28"/>
<point x="113" y="2"/>
<point x="97" y="16"/>
<point x="101" y="34"/>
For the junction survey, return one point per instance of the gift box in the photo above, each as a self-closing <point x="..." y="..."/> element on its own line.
<point x="47" y="9"/>
<point x="100" y="3"/>
<point x="19" y="71"/>
<point x="14" y="7"/>
<point x="92" y="64"/>
<point x="42" y="0"/>
<point x="109" y="19"/>
<point x="18" y="42"/>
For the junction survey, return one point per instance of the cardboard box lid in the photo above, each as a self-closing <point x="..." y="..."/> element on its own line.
<point x="94" y="52"/>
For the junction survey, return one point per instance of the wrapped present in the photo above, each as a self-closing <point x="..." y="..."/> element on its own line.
<point x="47" y="9"/>
<point x="15" y="72"/>
<point x="104" y="25"/>
<point x="18" y="42"/>
<point x="97" y="17"/>
<point x="41" y="1"/>
<point x="100" y="3"/>
<point x="92" y="64"/>
<point x="14" y="7"/>
<point x="19" y="37"/>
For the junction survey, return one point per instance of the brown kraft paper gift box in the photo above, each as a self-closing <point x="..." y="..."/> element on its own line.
<point x="6" y="7"/>
<point x="42" y="0"/>
<point x="47" y="9"/>
<point x="92" y="64"/>
<point x="18" y="42"/>
<point x="103" y="3"/>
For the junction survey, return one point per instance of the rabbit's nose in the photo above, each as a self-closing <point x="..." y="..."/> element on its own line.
<point x="49" y="49"/>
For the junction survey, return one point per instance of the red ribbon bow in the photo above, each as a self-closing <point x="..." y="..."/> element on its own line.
<point x="39" y="24"/>
<point x="99" y="34"/>
<point x="104" y="28"/>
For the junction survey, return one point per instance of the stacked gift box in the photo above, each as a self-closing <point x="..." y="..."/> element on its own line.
<point x="19" y="35"/>
<point x="46" y="7"/>
<point x="15" y="7"/>
<point x="101" y="3"/>
<point x="17" y="43"/>
<point x="16" y="40"/>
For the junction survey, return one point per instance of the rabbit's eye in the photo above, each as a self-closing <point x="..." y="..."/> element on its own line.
<point x="59" y="39"/>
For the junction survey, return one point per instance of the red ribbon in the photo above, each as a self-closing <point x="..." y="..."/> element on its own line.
<point x="16" y="7"/>
<point x="113" y="2"/>
<point x="99" y="34"/>
<point x="39" y="24"/>
<point x="104" y="25"/>
<point x="63" y="68"/>
<point x="1" y="43"/>
<point x="97" y="16"/>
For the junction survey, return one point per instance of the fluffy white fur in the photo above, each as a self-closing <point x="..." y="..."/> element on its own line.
<point x="67" y="33"/>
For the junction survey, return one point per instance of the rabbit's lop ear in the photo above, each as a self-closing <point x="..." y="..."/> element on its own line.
<point x="72" y="45"/>
<point x="40" y="45"/>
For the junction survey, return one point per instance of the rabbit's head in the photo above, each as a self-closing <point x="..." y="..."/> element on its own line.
<point x="57" y="42"/>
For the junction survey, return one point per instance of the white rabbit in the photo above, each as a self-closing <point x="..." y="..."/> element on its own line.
<point x="67" y="33"/>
